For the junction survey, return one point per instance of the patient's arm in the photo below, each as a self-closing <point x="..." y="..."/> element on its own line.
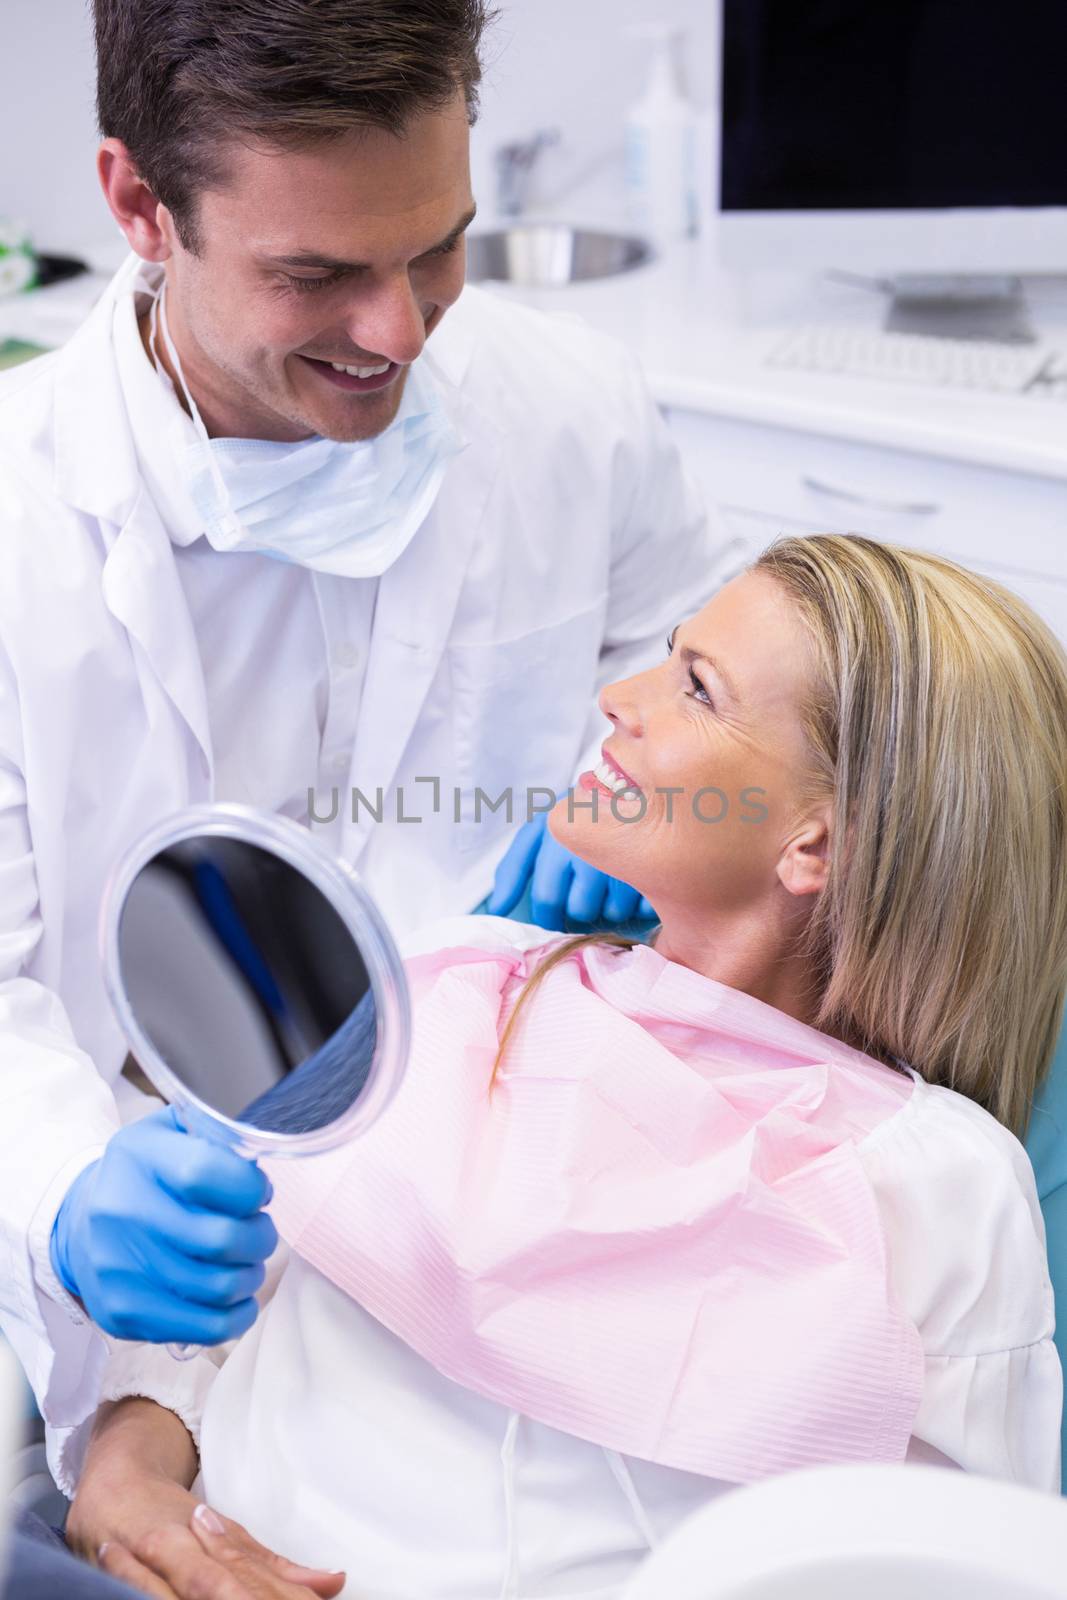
<point x="134" y="1496"/>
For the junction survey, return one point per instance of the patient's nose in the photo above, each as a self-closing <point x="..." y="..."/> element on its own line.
<point x="620" y="704"/>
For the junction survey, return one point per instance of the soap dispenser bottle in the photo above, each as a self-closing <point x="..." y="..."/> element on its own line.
<point x="661" y="134"/>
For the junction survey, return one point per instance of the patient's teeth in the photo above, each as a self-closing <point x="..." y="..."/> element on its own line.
<point x="611" y="779"/>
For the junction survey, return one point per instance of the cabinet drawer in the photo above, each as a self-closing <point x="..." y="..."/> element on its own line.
<point x="746" y="533"/>
<point x="976" y="515"/>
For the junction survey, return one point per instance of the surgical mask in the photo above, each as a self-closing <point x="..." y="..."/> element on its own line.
<point x="349" y="509"/>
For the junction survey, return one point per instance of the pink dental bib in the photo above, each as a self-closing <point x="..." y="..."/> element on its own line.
<point x="655" y="1234"/>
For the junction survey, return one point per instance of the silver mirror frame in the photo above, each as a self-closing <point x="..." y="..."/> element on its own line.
<point x="341" y="887"/>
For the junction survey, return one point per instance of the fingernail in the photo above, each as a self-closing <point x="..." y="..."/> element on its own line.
<point x="208" y="1520"/>
<point x="102" y="1550"/>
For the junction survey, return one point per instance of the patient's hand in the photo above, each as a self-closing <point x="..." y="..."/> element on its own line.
<point x="211" y="1558"/>
<point x="134" y="1500"/>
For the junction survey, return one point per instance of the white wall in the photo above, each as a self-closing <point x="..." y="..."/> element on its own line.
<point x="559" y="63"/>
<point x="568" y="64"/>
<point x="48" y="124"/>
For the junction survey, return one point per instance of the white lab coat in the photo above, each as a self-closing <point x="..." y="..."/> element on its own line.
<point x="564" y="543"/>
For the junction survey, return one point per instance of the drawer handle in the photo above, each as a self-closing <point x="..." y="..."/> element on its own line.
<point x="909" y="508"/>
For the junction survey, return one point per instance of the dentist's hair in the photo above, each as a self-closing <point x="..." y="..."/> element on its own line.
<point x="938" y="731"/>
<point x="179" y="80"/>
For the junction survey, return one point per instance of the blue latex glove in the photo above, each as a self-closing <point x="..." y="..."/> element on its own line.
<point x="564" y="887"/>
<point x="163" y="1237"/>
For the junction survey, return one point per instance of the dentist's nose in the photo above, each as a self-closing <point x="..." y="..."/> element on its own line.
<point x="390" y="322"/>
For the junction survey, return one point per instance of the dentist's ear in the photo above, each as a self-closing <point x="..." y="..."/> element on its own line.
<point x="143" y="219"/>
<point x="805" y="860"/>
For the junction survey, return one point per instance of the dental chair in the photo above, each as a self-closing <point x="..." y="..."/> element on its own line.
<point x="1046" y="1144"/>
<point x="865" y="1533"/>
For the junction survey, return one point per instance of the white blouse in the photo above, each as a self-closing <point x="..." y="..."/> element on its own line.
<point x="334" y="1443"/>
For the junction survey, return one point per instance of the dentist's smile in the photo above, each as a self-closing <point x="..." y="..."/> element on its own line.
<point x="357" y="379"/>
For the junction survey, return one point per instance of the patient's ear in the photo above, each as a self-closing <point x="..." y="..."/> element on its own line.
<point x="805" y="859"/>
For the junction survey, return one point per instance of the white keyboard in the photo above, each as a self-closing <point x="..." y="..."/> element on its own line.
<point x="916" y="358"/>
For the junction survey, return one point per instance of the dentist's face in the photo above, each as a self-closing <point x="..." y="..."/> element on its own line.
<point x="347" y="254"/>
<point x="719" y="722"/>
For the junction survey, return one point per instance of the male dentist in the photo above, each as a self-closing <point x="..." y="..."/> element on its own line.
<point x="275" y="530"/>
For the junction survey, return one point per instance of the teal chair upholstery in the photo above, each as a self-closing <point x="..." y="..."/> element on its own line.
<point x="1046" y="1143"/>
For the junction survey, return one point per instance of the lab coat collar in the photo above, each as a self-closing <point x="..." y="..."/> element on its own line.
<point x="160" y="428"/>
<point x="143" y="592"/>
<point x="96" y="471"/>
<point x="96" y="461"/>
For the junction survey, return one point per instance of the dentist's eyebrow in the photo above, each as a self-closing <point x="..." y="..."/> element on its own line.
<point x="308" y="258"/>
<point x="690" y="656"/>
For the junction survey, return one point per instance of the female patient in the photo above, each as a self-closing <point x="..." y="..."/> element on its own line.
<point x="648" y="1222"/>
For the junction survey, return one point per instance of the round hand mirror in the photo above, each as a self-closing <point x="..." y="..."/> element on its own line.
<point x="256" y="981"/>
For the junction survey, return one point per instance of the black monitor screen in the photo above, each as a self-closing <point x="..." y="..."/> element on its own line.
<point x="893" y="104"/>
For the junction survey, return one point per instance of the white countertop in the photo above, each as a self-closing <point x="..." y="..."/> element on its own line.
<point x="702" y="336"/>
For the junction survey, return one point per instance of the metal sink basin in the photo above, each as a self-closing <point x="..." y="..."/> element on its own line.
<point x="547" y="255"/>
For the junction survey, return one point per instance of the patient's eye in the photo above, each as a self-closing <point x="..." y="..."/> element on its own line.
<point x="699" y="689"/>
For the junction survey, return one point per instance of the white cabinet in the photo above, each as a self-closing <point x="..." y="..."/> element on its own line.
<point x="767" y="480"/>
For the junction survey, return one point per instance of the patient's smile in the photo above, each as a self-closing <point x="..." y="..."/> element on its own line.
<point x="611" y="777"/>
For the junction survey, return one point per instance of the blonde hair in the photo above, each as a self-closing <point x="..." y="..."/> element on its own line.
<point x="937" y="727"/>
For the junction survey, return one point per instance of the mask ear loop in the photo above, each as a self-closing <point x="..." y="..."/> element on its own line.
<point x="228" y="521"/>
<point x="153" y="333"/>
<point x="160" y="323"/>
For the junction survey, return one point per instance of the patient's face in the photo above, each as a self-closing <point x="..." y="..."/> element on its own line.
<point x="720" y="721"/>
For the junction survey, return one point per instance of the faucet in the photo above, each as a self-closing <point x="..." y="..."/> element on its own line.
<point x="515" y="164"/>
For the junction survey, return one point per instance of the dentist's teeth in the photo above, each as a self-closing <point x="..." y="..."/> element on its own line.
<point x="610" y="778"/>
<point x="360" y="372"/>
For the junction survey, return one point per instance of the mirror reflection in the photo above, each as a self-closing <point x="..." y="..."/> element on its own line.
<point x="248" y="984"/>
